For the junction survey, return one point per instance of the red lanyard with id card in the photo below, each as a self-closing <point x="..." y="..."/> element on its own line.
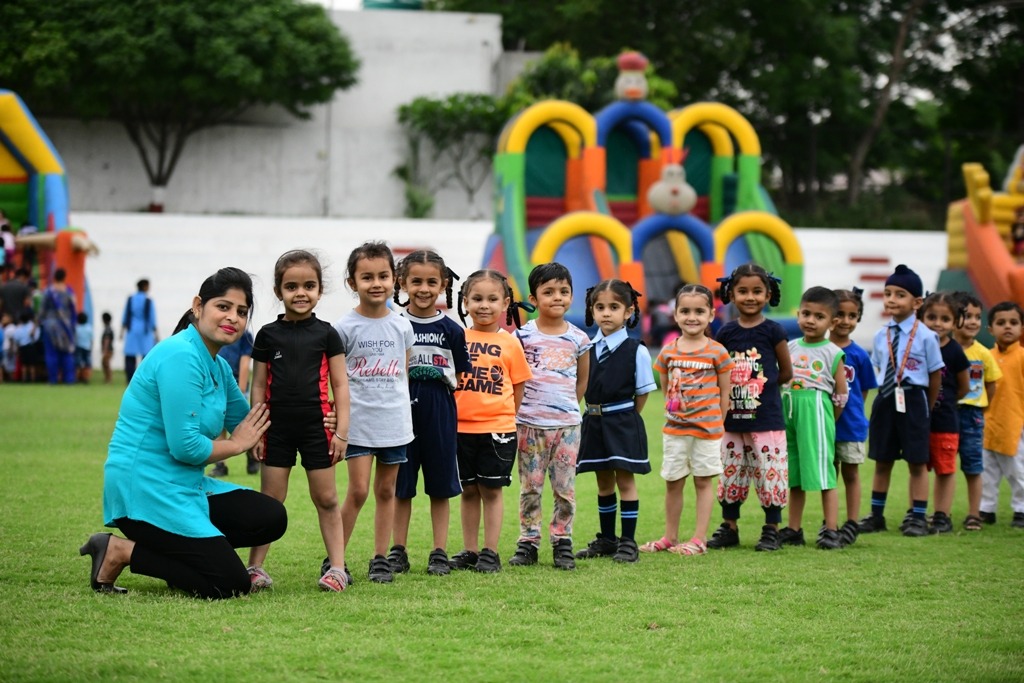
<point x="901" y="398"/>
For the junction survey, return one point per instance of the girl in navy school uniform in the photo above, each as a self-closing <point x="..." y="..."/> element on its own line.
<point x="614" y="440"/>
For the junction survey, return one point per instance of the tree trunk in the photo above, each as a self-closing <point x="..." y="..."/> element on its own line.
<point x="883" y="101"/>
<point x="156" y="204"/>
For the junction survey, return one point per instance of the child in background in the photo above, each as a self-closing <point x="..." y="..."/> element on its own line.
<point x="694" y="373"/>
<point x="83" y="348"/>
<point x="907" y="359"/>
<point x="488" y="399"/>
<point x="852" y="425"/>
<point x="8" y="347"/>
<point x="983" y="374"/>
<point x="30" y="346"/>
<point x="1004" y="424"/>
<point x="813" y="401"/>
<point x="378" y="342"/>
<point x="437" y="359"/>
<point x="296" y="357"/>
<point x="754" y="443"/>
<point x="614" y="439"/>
<point x="107" y="347"/>
<point x="548" y="421"/>
<point x="941" y="312"/>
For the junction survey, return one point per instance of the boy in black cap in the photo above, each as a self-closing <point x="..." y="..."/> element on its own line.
<point x="908" y="364"/>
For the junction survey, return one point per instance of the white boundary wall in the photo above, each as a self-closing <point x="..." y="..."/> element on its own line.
<point x="176" y="252"/>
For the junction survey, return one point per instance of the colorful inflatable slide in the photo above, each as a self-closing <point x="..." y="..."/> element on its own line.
<point x="980" y="245"/>
<point x="573" y="187"/>
<point x="33" y="191"/>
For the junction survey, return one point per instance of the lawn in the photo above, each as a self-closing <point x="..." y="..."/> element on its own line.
<point x="888" y="608"/>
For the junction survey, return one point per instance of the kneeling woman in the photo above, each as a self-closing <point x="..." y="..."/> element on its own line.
<point x="182" y="526"/>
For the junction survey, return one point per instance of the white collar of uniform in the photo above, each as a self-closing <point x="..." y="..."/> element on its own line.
<point x="613" y="341"/>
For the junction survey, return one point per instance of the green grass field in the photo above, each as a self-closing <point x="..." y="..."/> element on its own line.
<point x="888" y="608"/>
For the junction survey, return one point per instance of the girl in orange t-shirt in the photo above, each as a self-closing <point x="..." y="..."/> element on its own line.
<point x="487" y="399"/>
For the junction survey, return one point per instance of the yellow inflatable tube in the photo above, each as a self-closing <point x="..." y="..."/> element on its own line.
<point x="725" y="116"/>
<point x="583" y="223"/>
<point x="762" y="222"/>
<point x="543" y="113"/>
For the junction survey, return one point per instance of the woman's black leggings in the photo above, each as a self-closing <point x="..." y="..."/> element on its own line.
<point x="208" y="567"/>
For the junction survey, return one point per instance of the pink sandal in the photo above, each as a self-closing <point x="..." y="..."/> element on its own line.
<point x="694" y="546"/>
<point x="661" y="545"/>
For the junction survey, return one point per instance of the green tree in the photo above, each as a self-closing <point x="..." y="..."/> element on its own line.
<point x="166" y="70"/>
<point x="451" y="140"/>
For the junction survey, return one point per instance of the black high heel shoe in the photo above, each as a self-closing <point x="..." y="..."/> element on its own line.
<point x="96" y="547"/>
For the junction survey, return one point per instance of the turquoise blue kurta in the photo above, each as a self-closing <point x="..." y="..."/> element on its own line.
<point x="179" y="401"/>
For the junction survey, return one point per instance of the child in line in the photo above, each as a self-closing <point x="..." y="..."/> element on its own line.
<point x="295" y="358"/>
<point x="548" y="421"/>
<point x="813" y="401"/>
<point x="1004" y="424"/>
<point x="614" y="439"/>
<point x="754" y="443"/>
<point x="908" y="363"/>
<point x="437" y="359"/>
<point x="107" y="347"/>
<point x="941" y="312"/>
<point x="488" y="399"/>
<point x="83" y="348"/>
<point x="852" y="424"/>
<point x="378" y="342"/>
<point x="694" y="373"/>
<point x="983" y="374"/>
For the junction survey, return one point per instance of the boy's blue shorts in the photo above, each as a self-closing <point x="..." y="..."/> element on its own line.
<point x="972" y="436"/>
<point x="901" y="436"/>
<point x="435" y="424"/>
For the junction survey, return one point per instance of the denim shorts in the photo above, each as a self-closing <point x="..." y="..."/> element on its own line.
<point x="972" y="433"/>
<point x="386" y="455"/>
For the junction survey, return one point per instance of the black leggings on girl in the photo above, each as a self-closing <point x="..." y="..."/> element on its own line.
<point x="208" y="567"/>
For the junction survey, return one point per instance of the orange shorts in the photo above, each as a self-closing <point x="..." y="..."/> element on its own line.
<point x="943" y="452"/>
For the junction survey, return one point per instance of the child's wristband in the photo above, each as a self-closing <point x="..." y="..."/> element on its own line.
<point x="340" y="437"/>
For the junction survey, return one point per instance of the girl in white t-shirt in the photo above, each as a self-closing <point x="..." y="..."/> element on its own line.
<point x="378" y="341"/>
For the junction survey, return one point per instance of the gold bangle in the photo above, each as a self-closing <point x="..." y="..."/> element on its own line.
<point x="340" y="437"/>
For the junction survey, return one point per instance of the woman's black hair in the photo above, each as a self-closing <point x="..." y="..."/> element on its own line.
<point x="427" y="257"/>
<point x="854" y="295"/>
<point x="771" y="283"/>
<point x="217" y="285"/>
<point x="512" y="313"/>
<point x="950" y="300"/>
<point x="623" y="291"/>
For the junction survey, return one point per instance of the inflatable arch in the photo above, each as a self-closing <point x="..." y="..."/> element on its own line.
<point x="778" y="231"/>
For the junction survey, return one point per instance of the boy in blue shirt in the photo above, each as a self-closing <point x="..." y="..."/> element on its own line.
<point x="908" y="363"/>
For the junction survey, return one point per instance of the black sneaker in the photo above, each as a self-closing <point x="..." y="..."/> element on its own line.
<point x="326" y="564"/>
<point x="872" y="524"/>
<point x="525" y="555"/>
<point x="788" y="536"/>
<point x="380" y="570"/>
<point x="906" y="519"/>
<point x="562" y="555"/>
<point x="437" y="564"/>
<point x="627" y="551"/>
<point x="848" y="533"/>
<point x="769" y="540"/>
<point x="488" y="562"/>
<point x="941" y="523"/>
<point x="1018" y="520"/>
<point x="917" y="527"/>
<point x="464" y="559"/>
<point x="829" y="540"/>
<point x="219" y="470"/>
<point x="724" y="537"/>
<point x="398" y="559"/>
<point x="599" y="547"/>
<point x="988" y="517"/>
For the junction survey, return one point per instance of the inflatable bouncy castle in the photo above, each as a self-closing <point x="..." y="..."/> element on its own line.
<point x="652" y="197"/>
